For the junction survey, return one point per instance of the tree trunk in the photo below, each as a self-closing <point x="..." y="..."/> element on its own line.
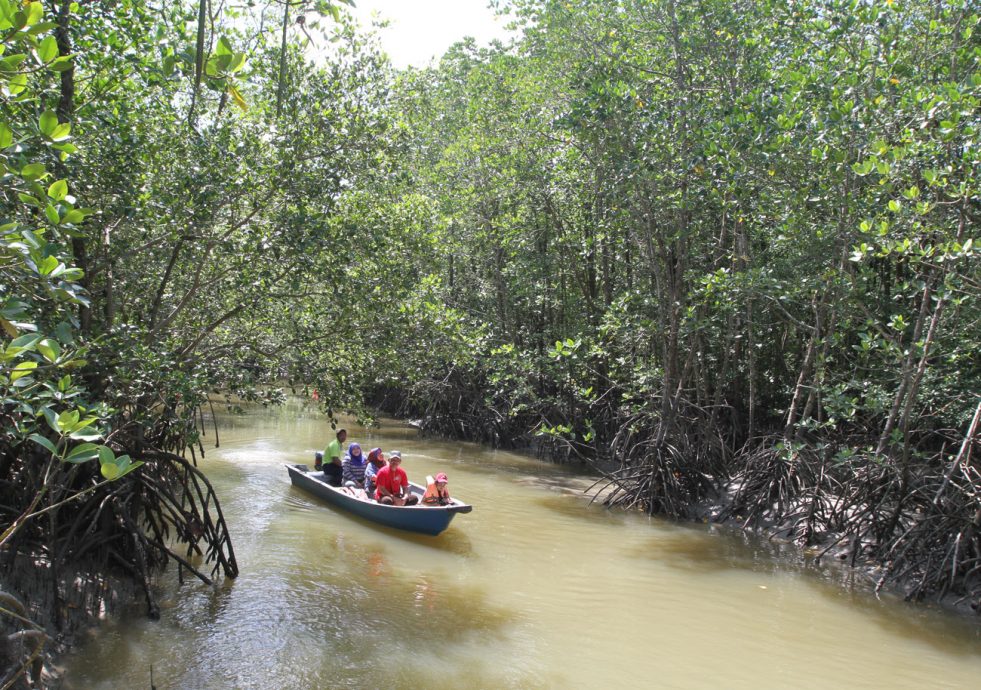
<point x="198" y="59"/>
<point x="66" y="113"/>
<point x="281" y="85"/>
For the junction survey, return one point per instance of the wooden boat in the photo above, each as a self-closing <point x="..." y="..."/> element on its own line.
<point x="418" y="518"/>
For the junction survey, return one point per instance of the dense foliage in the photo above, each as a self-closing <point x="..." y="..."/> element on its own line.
<point x="722" y="250"/>
<point x="721" y="247"/>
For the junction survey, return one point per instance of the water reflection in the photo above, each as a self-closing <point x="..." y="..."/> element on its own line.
<point x="453" y="540"/>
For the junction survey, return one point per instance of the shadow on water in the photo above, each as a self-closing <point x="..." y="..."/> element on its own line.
<point x="701" y="549"/>
<point x="923" y="623"/>
<point x="580" y="508"/>
<point x="534" y="470"/>
<point x="574" y="485"/>
<point x="453" y="540"/>
<point x="709" y="550"/>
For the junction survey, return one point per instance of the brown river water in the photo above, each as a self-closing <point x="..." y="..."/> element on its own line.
<point x="533" y="589"/>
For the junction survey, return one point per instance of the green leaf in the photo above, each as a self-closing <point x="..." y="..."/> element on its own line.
<point x="12" y="63"/>
<point x="49" y="349"/>
<point x="22" y="369"/>
<point x="35" y="13"/>
<point x="17" y="84"/>
<point x="42" y="441"/>
<point x="121" y="467"/>
<point x="224" y="47"/>
<point x="894" y="206"/>
<point x="237" y="63"/>
<point x="41" y="27"/>
<point x="6" y="135"/>
<point x="48" y="49"/>
<point x="58" y="190"/>
<point x="862" y="169"/>
<point x="82" y="453"/>
<point x="26" y="341"/>
<point x="61" y="64"/>
<point x="74" y="217"/>
<point x="47" y="122"/>
<point x="51" y="418"/>
<point x="6" y="12"/>
<point x="67" y="420"/>
<point x="110" y="470"/>
<point x="51" y="213"/>
<point x="33" y="171"/>
<point x="61" y="132"/>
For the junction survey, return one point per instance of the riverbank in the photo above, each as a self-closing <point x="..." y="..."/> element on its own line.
<point x="838" y="550"/>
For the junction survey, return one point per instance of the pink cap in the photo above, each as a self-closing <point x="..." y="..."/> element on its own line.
<point x="441" y="477"/>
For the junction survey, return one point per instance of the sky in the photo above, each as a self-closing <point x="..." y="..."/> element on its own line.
<point x="422" y="29"/>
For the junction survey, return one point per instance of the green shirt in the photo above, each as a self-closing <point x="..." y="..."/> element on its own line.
<point x="333" y="451"/>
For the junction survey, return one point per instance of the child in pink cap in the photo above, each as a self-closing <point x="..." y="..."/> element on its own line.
<point x="437" y="493"/>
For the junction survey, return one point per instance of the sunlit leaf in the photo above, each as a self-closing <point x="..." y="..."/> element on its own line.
<point x="48" y="49"/>
<point x="49" y="349"/>
<point x="51" y="213"/>
<point x="224" y="47"/>
<point x="82" y="453"/>
<point x="33" y="171"/>
<point x="22" y="369"/>
<point x="237" y="97"/>
<point x="58" y="190"/>
<point x="47" y="122"/>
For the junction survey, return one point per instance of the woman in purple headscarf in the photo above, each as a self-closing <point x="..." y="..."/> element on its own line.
<point x="353" y="466"/>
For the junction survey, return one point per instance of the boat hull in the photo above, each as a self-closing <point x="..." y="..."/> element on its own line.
<point x="431" y="520"/>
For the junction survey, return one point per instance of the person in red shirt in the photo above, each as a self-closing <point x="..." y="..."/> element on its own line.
<point x="392" y="484"/>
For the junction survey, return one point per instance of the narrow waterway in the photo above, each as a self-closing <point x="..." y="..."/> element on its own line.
<point x="533" y="589"/>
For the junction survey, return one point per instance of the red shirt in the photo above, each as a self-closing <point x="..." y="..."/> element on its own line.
<point x="392" y="479"/>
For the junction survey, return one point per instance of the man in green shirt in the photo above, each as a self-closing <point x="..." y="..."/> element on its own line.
<point x="332" y="459"/>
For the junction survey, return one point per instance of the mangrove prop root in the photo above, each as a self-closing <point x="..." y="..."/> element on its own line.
<point x="82" y="558"/>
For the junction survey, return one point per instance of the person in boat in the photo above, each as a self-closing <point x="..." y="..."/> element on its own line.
<point x="332" y="459"/>
<point x="392" y="484"/>
<point x="437" y="493"/>
<point x="375" y="462"/>
<point x="353" y="467"/>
